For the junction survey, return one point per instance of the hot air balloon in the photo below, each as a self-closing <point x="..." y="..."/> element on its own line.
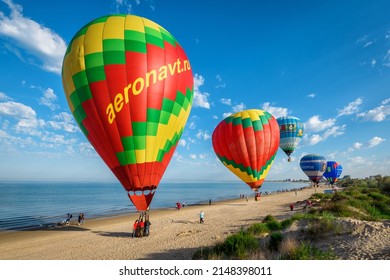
<point x="291" y="131"/>
<point x="333" y="171"/>
<point x="313" y="166"/>
<point x="129" y="85"/>
<point x="246" y="143"/>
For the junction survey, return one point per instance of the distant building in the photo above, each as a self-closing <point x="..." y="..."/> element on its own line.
<point x="347" y="177"/>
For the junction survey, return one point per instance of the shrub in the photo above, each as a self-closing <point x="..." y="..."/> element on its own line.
<point x="238" y="245"/>
<point x="307" y="252"/>
<point x="273" y="225"/>
<point x="275" y="240"/>
<point x="258" y="229"/>
<point x="269" y="218"/>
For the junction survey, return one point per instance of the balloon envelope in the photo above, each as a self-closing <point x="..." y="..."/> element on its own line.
<point x="313" y="166"/>
<point x="246" y="143"/>
<point x="291" y="131"/>
<point x="333" y="171"/>
<point x="129" y="85"/>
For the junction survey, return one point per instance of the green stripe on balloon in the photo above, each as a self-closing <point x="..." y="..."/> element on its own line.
<point x="153" y="37"/>
<point x="168" y="37"/>
<point x="248" y="170"/>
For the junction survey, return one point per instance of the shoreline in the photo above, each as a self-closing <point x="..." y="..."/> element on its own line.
<point x="175" y="234"/>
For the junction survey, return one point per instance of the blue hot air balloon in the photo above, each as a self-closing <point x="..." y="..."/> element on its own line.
<point x="313" y="166"/>
<point x="291" y="131"/>
<point x="333" y="171"/>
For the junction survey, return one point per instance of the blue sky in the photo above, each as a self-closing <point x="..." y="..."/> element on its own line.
<point x="325" y="62"/>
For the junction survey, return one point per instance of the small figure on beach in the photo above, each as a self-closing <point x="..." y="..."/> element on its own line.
<point x="147" y="227"/>
<point x="80" y="219"/>
<point x="210" y="201"/>
<point x="68" y="217"/>
<point x="178" y="205"/>
<point x="292" y="207"/>
<point x="136" y="229"/>
<point x="201" y="217"/>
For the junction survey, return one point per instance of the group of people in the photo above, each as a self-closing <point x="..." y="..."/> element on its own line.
<point x="141" y="227"/>
<point x="180" y="205"/>
<point x="80" y="219"/>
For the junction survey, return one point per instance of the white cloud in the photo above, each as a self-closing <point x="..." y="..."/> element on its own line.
<point x="351" y="108"/>
<point x="314" y="124"/>
<point x="193" y="156"/>
<point x="330" y="132"/>
<point x="357" y="145"/>
<point x="203" y="135"/>
<point x="386" y="59"/>
<point x="226" y="101"/>
<point x="63" y="121"/>
<point x="227" y="114"/>
<point x="311" y="95"/>
<point x="377" y="114"/>
<point x="48" y="99"/>
<point x="32" y="39"/>
<point x="182" y="142"/>
<point x="239" y="107"/>
<point x="17" y="110"/>
<point x="221" y="83"/>
<point x="375" y="141"/>
<point x="4" y="97"/>
<point x="313" y="139"/>
<point x="277" y="112"/>
<point x="200" y="99"/>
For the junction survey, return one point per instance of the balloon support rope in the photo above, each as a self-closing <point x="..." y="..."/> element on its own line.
<point x="143" y="215"/>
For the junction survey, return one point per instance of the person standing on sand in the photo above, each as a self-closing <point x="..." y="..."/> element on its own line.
<point x="201" y="217"/>
<point x="147" y="227"/>
<point x="81" y="219"/>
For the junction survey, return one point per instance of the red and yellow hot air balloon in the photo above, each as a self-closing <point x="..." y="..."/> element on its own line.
<point x="246" y="143"/>
<point x="129" y="85"/>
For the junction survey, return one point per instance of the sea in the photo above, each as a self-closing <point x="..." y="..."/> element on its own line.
<point x="35" y="205"/>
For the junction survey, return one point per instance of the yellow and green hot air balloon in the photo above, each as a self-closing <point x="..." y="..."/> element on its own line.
<point x="246" y="143"/>
<point x="129" y="85"/>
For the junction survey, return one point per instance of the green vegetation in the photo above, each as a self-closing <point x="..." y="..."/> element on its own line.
<point x="366" y="199"/>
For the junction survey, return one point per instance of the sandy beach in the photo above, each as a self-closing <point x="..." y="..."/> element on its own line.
<point x="175" y="234"/>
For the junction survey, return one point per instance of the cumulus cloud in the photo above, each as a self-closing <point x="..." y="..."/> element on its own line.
<point x="314" y="124"/>
<point x="30" y="39"/>
<point x="203" y="135"/>
<point x="375" y="141"/>
<point x="377" y="114"/>
<point x="239" y="107"/>
<point x="351" y="108"/>
<point x="227" y="114"/>
<point x="200" y="98"/>
<point x="4" y="97"/>
<point x="48" y="99"/>
<point x="277" y="112"/>
<point x="63" y="121"/>
<point x="17" y="110"/>
<point x="330" y="132"/>
<point x="182" y="142"/>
